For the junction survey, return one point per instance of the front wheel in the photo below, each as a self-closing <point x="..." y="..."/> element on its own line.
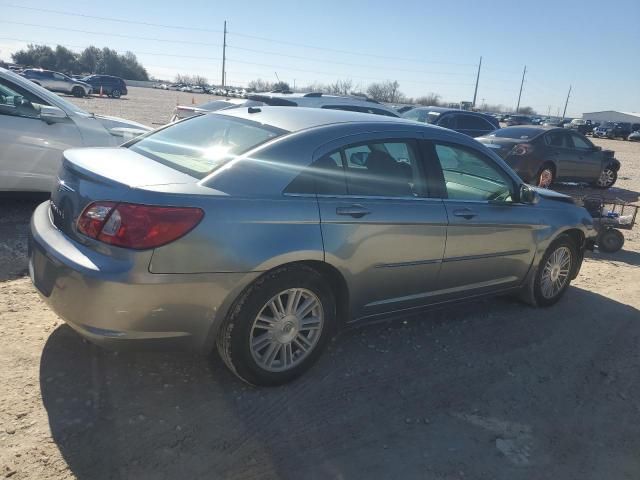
<point x="555" y="271"/>
<point x="607" y="178"/>
<point x="77" y="92"/>
<point x="115" y="93"/>
<point x="279" y="326"/>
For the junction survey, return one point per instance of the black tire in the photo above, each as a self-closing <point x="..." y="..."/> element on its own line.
<point x="234" y="336"/>
<point x="610" y="240"/>
<point x="115" y="93"/>
<point x="545" y="170"/>
<point x="77" y="92"/>
<point x="608" y="178"/>
<point x="541" y="299"/>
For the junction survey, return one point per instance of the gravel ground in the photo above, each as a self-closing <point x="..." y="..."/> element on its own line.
<point x="149" y="106"/>
<point x="487" y="390"/>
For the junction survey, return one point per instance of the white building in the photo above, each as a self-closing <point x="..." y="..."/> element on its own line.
<point x="612" y="116"/>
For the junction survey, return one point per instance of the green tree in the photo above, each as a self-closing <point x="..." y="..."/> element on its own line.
<point x="89" y="59"/>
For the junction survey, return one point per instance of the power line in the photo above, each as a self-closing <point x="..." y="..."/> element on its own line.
<point x="278" y="67"/>
<point x="109" y="34"/>
<point x="239" y="34"/>
<point x="110" y="19"/>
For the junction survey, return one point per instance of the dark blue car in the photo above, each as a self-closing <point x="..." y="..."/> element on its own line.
<point x="473" y="124"/>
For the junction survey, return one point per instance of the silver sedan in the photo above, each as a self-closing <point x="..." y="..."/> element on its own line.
<point x="261" y="231"/>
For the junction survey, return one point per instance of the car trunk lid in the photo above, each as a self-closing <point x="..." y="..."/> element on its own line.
<point x="501" y="146"/>
<point x="111" y="174"/>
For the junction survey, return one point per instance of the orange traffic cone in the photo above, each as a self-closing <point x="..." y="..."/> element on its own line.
<point x="100" y="90"/>
<point x="193" y="100"/>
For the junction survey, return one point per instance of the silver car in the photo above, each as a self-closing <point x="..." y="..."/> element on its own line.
<point x="58" y="82"/>
<point x="263" y="230"/>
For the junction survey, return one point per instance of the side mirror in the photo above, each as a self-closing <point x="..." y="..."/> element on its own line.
<point x="52" y="114"/>
<point x="528" y="195"/>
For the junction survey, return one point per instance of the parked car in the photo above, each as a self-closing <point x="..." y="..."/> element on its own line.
<point x="472" y="124"/>
<point x="197" y="89"/>
<point x="111" y="86"/>
<point x="542" y="156"/>
<point x="634" y="137"/>
<point x="185" y="111"/>
<point x="321" y="100"/>
<point x="57" y="82"/>
<point x="581" y="126"/>
<point x="37" y="125"/>
<point x="514" y="120"/>
<point x="342" y="227"/>
<point x="615" y="130"/>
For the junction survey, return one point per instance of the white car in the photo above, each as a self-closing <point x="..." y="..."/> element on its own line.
<point x="197" y="89"/>
<point x="36" y="126"/>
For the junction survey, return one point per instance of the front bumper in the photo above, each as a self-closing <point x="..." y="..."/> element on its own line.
<point x="118" y="302"/>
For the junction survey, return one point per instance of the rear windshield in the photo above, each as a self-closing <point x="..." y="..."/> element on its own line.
<point x="201" y="144"/>
<point x="523" y="133"/>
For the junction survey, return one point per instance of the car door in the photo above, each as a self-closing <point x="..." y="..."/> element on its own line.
<point x="586" y="162"/>
<point x="60" y="82"/>
<point x="379" y="227"/>
<point x="559" y="150"/>
<point x="30" y="149"/>
<point x="490" y="236"/>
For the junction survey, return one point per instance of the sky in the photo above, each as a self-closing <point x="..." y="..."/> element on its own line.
<point x="427" y="46"/>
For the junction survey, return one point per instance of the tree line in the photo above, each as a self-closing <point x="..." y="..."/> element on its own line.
<point x="91" y="60"/>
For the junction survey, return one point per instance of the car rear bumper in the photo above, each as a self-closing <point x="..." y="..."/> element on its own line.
<point x="117" y="302"/>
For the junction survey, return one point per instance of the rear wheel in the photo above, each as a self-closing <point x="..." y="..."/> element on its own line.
<point x="555" y="271"/>
<point x="545" y="176"/>
<point x="115" y="93"/>
<point x="77" y="92"/>
<point x="607" y="178"/>
<point x="610" y="240"/>
<point x="279" y="326"/>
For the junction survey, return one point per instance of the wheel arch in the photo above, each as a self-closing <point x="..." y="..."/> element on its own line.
<point x="335" y="281"/>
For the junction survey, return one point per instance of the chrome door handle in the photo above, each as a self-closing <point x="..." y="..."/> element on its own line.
<point x="355" y="211"/>
<point x="465" y="213"/>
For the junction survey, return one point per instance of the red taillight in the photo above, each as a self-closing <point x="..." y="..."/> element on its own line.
<point x="137" y="226"/>
<point x="522" y="149"/>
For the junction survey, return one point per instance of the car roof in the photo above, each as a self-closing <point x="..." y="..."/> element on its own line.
<point x="301" y="118"/>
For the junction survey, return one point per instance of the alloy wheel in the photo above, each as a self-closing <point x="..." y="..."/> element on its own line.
<point x="607" y="178"/>
<point x="555" y="273"/>
<point x="546" y="178"/>
<point x="286" y="329"/>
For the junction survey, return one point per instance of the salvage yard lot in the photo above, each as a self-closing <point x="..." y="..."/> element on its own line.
<point x="486" y="390"/>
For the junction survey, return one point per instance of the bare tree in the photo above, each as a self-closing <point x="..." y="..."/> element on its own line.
<point x="340" y="87"/>
<point x="191" y="79"/>
<point x="430" y="100"/>
<point x="527" y="111"/>
<point x="388" y="91"/>
<point x="260" y="85"/>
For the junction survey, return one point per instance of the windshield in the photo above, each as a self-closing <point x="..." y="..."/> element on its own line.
<point x="519" y="133"/>
<point x="203" y="143"/>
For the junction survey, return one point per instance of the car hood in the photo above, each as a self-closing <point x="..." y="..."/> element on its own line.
<point x="119" y="127"/>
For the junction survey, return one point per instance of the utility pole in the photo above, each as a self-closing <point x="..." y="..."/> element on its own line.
<point x="521" y="84"/>
<point x="475" y="92"/>
<point x="566" y="103"/>
<point x="224" y="54"/>
<point x="549" y="111"/>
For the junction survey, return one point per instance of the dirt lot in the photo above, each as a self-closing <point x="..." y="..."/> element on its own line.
<point x="149" y="106"/>
<point x="489" y="390"/>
